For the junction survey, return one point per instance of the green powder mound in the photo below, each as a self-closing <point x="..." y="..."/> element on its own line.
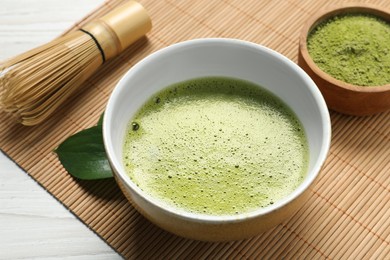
<point x="216" y="146"/>
<point x="353" y="48"/>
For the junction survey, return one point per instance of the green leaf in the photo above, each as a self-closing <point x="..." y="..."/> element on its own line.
<point x="100" y="122"/>
<point x="83" y="154"/>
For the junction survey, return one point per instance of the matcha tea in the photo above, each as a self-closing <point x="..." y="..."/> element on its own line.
<point x="216" y="146"/>
<point x="353" y="48"/>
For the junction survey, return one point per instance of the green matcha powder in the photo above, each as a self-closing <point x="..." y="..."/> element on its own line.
<point x="353" y="48"/>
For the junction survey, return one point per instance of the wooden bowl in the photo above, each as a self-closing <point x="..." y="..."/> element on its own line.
<point x="341" y="96"/>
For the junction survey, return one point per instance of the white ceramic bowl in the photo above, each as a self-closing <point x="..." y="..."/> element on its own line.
<point x="217" y="57"/>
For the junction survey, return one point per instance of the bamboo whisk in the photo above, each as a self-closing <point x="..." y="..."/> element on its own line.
<point x="34" y="84"/>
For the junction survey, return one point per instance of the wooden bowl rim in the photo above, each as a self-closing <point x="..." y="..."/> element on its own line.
<point x="327" y="13"/>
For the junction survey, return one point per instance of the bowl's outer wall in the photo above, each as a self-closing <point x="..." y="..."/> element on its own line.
<point x="210" y="231"/>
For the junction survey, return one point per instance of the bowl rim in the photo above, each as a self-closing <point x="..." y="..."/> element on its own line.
<point x="222" y="219"/>
<point x="326" y="13"/>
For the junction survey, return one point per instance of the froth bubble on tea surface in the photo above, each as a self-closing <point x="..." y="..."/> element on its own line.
<point x="216" y="146"/>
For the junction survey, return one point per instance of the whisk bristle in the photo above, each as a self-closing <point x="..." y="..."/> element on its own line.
<point x="34" y="84"/>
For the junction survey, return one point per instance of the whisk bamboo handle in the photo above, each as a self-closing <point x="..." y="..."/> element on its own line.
<point x="114" y="33"/>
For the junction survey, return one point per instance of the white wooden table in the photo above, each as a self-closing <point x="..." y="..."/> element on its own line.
<point x="33" y="225"/>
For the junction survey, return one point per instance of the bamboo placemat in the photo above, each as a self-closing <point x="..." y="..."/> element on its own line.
<point x="347" y="215"/>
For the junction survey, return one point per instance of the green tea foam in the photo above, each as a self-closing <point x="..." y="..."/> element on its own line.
<point x="216" y="146"/>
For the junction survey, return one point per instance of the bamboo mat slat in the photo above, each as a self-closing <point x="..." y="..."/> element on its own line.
<point x="347" y="215"/>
